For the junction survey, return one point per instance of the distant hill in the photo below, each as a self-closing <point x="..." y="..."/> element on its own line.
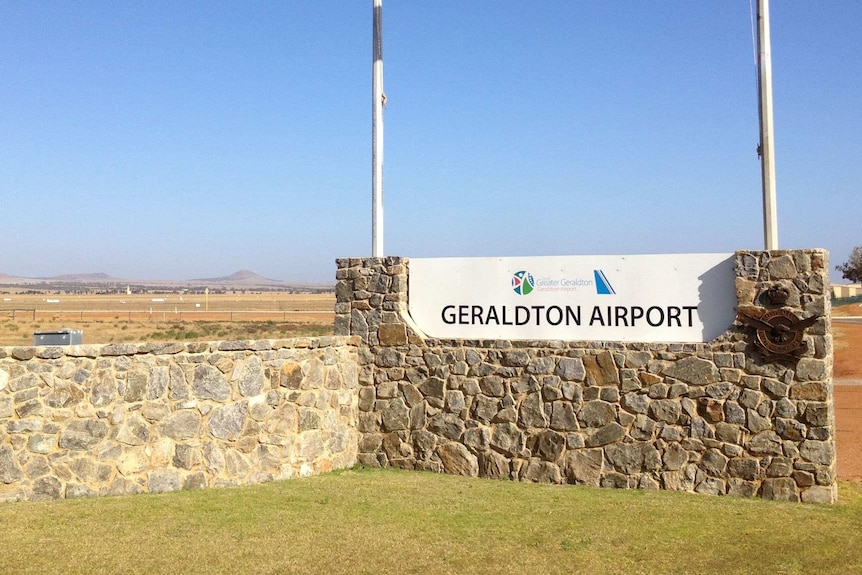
<point x="243" y="279"/>
<point x="242" y="276"/>
<point x="97" y="277"/>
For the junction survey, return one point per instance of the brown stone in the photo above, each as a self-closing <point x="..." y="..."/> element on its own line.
<point x="392" y="334"/>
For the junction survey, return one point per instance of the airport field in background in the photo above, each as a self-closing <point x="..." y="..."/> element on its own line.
<point x="122" y="318"/>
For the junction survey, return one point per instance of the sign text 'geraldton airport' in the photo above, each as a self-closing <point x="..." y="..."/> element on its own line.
<point x="649" y="298"/>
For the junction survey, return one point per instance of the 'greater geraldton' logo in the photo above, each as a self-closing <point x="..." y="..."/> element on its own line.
<point x="523" y="283"/>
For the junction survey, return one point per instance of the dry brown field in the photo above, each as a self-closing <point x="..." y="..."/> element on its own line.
<point x="125" y="318"/>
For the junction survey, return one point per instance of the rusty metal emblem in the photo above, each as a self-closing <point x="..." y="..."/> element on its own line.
<point x="778" y="331"/>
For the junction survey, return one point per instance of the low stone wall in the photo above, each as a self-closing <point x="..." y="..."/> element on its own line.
<point x="716" y="418"/>
<point x="712" y="418"/>
<point x="123" y="418"/>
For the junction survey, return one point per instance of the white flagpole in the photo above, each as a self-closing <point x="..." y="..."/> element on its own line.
<point x="767" y="153"/>
<point x="377" y="134"/>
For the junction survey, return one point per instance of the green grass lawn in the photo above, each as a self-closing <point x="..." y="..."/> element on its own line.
<point x="388" y="521"/>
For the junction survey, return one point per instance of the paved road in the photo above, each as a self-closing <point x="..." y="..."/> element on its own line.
<point x="846" y="319"/>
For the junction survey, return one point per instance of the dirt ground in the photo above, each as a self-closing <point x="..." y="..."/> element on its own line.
<point x="847" y="377"/>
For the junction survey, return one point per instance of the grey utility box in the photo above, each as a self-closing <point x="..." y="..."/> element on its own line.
<point x="64" y="336"/>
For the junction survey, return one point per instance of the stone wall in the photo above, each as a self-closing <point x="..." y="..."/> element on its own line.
<point x="124" y="418"/>
<point x="715" y="418"/>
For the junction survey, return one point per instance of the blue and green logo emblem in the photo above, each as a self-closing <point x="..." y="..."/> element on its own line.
<point x="523" y="282"/>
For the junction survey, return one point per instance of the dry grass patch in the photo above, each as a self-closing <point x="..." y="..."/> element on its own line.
<point x="365" y="521"/>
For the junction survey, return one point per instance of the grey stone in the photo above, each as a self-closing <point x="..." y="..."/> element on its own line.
<point x="39" y="443"/>
<point x="627" y="458"/>
<point x="81" y="435"/>
<point x="494" y="465"/>
<point x="65" y="394"/>
<point x="765" y="443"/>
<point x="227" y="422"/>
<point x="820" y="494"/>
<point x="563" y="417"/>
<point x="251" y="377"/>
<point x="790" y="429"/>
<point x="10" y="472"/>
<point x="642" y="428"/>
<point x="210" y="383"/>
<point x="164" y="480"/>
<point x="185" y="456"/>
<point x="424" y="443"/>
<point x="756" y="423"/>
<point x="816" y="414"/>
<point x="693" y="370"/>
<point x="674" y="457"/>
<point x="47" y="489"/>
<point x="614" y="480"/>
<point x="458" y="460"/>
<point x="531" y="413"/>
<point x="396" y="416"/>
<point x="31" y="408"/>
<point x="609" y="433"/>
<point x="776" y="389"/>
<point x="179" y="389"/>
<point x="136" y="386"/>
<point x="477" y="439"/>
<point x="822" y="452"/>
<point x="448" y="425"/>
<point x="492" y="385"/>
<point x="596" y="413"/>
<point x="183" y="424"/>
<point x="727" y="432"/>
<point x="153" y="412"/>
<point x="571" y="369"/>
<point x="541" y="366"/>
<point x="75" y="490"/>
<point x="780" y="467"/>
<point x="713" y="462"/>
<point x="388" y="357"/>
<point x="720" y="390"/>
<point x="518" y="358"/>
<point x="123" y="486"/>
<point x="538" y="471"/>
<point x="779" y="489"/>
<point x="195" y="481"/>
<point x="485" y="408"/>
<point x="782" y="267"/>
<point x="309" y="419"/>
<point x="433" y="387"/>
<point x="741" y="488"/>
<point x="734" y="413"/>
<point x="454" y="401"/>
<point x="547" y="445"/>
<point x="635" y="402"/>
<point x="666" y="410"/>
<point x="158" y="383"/>
<point x="134" y="431"/>
<point x="507" y="439"/>
<point x="710" y="486"/>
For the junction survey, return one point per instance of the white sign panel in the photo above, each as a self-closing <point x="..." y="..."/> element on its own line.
<point x="648" y="298"/>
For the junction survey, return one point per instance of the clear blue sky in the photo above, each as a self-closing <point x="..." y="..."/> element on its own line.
<point x="176" y="140"/>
